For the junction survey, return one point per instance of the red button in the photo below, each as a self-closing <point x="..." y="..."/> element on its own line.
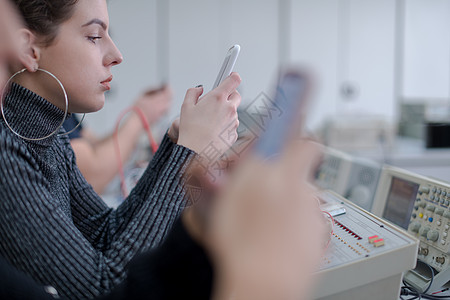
<point x="373" y="238"/>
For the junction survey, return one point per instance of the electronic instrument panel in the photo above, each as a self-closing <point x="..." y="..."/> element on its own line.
<point x="420" y="205"/>
<point x="366" y="255"/>
<point x="354" y="178"/>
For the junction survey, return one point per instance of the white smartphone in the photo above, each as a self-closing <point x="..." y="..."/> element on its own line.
<point x="228" y="64"/>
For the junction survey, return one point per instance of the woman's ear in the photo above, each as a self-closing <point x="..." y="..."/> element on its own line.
<point x="29" y="51"/>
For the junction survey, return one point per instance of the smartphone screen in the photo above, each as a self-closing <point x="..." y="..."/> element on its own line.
<point x="227" y="65"/>
<point x="290" y="97"/>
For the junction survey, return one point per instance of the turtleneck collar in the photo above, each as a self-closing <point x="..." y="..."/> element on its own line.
<point x="32" y="116"/>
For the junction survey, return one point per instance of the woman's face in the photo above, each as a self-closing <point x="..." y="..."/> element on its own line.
<point x="82" y="56"/>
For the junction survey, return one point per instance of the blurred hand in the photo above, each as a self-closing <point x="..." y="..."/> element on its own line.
<point x="9" y="44"/>
<point x="265" y="230"/>
<point x="208" y="125"/>
<point x="238" y="150"/>
<point x="155" y="103"/>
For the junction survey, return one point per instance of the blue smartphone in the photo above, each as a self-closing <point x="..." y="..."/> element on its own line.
<point x="290" y="99"/>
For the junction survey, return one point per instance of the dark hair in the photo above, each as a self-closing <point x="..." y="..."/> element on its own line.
<point x="43" y="17"/>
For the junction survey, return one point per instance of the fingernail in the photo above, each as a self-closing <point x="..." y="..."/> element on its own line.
<point x="198" y="86"/>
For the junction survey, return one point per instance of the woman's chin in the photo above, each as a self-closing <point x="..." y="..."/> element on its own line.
<point x="99" y="106"/>
<point x="91" y="107"/>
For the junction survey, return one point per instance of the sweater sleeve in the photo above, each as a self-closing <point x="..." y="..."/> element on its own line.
<point x="85" y="254"/>
<point x="178" y="269"/>
<point x="149" y="210"/>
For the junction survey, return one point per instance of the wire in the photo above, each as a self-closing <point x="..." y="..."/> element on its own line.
<point x="421" y="296"/>
<point x="433" y="297"/>
<point x="414" y="292"/>
<point x="408" y="290"/>
<point x="153" y="144"/>
<point x="417" y="295"/>
<point x="441" y="291"/>
<point x="432" y="275"/>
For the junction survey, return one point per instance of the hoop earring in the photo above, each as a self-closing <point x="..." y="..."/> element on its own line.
<point x="65" y="111"/>
<point x="73" y="129"/>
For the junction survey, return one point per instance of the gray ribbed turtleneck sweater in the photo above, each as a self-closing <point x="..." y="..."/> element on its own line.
<point x="53" y="225"/>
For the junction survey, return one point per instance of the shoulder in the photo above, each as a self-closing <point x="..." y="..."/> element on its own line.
<point x="10" y="143"/>
<point x="63" y="138"/>
<point x="17" y="162"/>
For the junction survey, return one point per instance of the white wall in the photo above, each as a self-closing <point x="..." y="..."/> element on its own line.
<point x="426" y="69"/>
<point x="313" y="42"/>
<point x="133" y="29"/>
<point x="200" y="35"/>
<point x="370" y="58"/>
<point x="345" y="42"/>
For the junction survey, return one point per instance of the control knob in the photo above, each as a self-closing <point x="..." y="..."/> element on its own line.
<point x="414" y="227"/>
<point x="447" y="214"/>
<point x="424" y="189"/>
<point x="433" y="235"/>
<point x="424" y="230"/>
<point x="431" y="207"/>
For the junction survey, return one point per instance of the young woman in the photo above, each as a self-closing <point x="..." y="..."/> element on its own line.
<point x="53" y="225"/>
<point x="251" y="245"/>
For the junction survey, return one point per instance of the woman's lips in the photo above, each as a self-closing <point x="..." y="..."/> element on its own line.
<point x="106" y="83"/>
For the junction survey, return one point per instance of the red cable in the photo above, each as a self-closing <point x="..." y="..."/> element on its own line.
<point x="152" y="141"/>
<point x="441" y="291"/>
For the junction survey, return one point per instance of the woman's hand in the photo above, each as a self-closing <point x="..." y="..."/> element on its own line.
<point x="174" y="130"/>
<point x="265" y="230"/>
<point x="208" y="125"/>
<point x="155" y="103"/>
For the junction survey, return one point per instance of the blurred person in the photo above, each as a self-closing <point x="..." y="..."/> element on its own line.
<point x="256" y="230"/>
<point x="9" y="44"/>
<point x="96" y="156"/>
<point x="255" y="241"/>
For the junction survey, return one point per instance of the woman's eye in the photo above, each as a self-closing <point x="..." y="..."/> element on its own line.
<point x="93" y="39"/>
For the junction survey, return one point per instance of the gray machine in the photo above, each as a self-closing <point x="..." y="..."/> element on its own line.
<point x="366" y="255"/>
<point x="420" y="205"/>
<point x="354" y="178"/>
